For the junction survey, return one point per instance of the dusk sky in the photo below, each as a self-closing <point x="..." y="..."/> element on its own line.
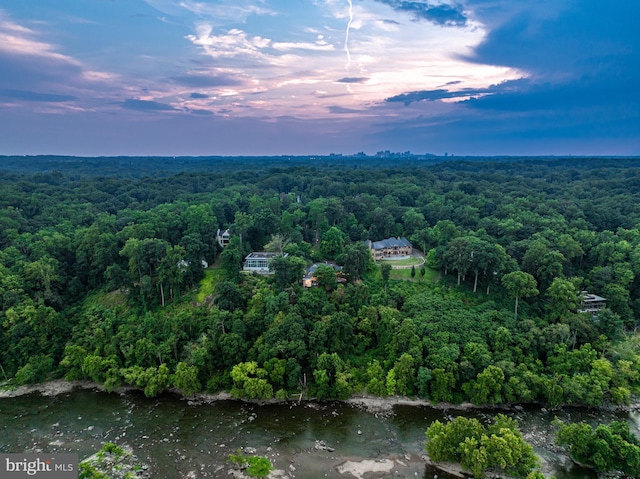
<point x="271" y="77"/>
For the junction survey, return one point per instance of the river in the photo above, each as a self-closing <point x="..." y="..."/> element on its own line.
<point x="177" y="438"/>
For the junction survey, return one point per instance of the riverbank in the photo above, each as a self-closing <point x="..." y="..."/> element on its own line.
<point x="372" y="404"/>
<point x="359" y="437"/>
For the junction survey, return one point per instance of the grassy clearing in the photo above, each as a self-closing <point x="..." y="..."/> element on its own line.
<point x="431" y="275"/>
<point x="208" y="284"/>
<point x="116" y="300"/>
<point x="402" y="262"/>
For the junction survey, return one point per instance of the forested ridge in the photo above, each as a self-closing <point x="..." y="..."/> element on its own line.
<point x="101" y="277"/>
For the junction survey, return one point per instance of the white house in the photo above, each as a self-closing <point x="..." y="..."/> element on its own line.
<point x="258" y="262"/>
<point x="223" y="237"/>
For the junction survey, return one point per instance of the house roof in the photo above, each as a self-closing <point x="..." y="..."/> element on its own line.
<point x="391" y="243"/>
<point x="263" y="254"/>
<point x="312" y="269"/>
<point x="590" y="297"/>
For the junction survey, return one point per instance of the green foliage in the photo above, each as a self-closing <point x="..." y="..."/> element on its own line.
<point x="385" y="271"/>
<point x="487" y="387"/>
<point x="331" y="377"/>
<point x="87" y="471"/>
<point x="152" y="380"/>
<point x="356" y="260"/>
<point x="208" y="284"/>
<point x="609" y="447"/>
<point x="35" y="371"/>
<point x="256" y="466"/>
<point x="112" y="448"/>
<point x="376" y="379"/>
<point x="520" y="285"/>
<point x="186" y="379"/>
<point x="326" y="278"/>
<point x="100" y="279"/>
<point x="332" y="243"/>
<point x="288" y="270"/>
<point x="250" y="381"/>
<point x="477" y="448"/>
<point x="231" y="259"/>
<point x="110" y="461"/>
<point x="564" y="298"/>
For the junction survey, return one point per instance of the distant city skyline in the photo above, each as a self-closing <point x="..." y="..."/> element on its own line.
<point x="314" y="77"/>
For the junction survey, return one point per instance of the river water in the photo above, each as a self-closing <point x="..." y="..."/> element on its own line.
<point x="177" y="438"/>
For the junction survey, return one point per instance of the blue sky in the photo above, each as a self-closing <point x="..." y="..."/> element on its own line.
<point x="200" y="77"/>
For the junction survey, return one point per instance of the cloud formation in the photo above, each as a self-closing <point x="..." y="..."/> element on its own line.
<point x="433" y="95"/>
<point x="422" y="75"/>
<point x="206" y="79"/>
<point x="438" y="13"/>
<point x="145" y="105"/>
<point x="35" y="96"/>
<point x="353" y="80"/>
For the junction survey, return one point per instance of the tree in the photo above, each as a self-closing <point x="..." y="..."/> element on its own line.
<point x="201" y="225"/>
<point x="229" y="296"/>
<point x="385" y="270"/>
<point x="442" y="384"/>
<point x="459" y="255"/>
<point x="564" y="298"/>
<point x="478" y="448"/>
<point x="332" y="243"/>
<point x="186" y="379"/>
<point x="171" y="271"/>
<point x="413" y="221"/>
<point x="606" y="448"/>
<point x="152" y="380"/>
<point x="250" y="381"/>
<point x="375" y="375"/>
<point x="610" y="324"/>
<point x="277" y="244"/>
<point x="404" y="375"/>
<point x="356" y="260"/>
<point x="231" y="259"/>
<point x="487" y="387"/>
<point x="287" y="270"/>
<point x="519" y="285"/>
<point x="241" y="224"/>
<point x="317" y="216"/>
<point x="332" y="379"/>
<point x="326" y="277"/>
<point x="44" y="272"/>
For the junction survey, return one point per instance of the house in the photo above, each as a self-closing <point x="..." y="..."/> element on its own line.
<point x="309" y="279"/>
<point x="258" y="262"/>
<point x="591" y="303"/>
<point x="223" y="237"/>
<point x="390" y="248"/>
<point x="183" y="264"/>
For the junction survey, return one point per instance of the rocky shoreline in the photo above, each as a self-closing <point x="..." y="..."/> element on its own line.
<point x="372" y="404"/>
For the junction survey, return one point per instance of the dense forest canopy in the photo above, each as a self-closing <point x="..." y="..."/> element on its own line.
<point x="102" y="276"/>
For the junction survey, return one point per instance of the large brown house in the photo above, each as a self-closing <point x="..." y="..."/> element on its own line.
<point x="390" y="248"/>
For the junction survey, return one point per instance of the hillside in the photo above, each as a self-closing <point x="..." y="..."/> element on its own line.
<point x="101" y="277"/>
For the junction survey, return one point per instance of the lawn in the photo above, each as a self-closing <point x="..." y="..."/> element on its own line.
<point x="412" y="260"/>
<point x="405" y="274"/>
